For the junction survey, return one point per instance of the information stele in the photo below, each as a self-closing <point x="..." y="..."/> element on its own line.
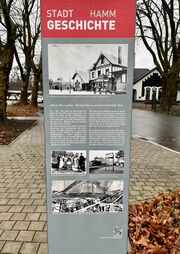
<point x="88" y="62"/>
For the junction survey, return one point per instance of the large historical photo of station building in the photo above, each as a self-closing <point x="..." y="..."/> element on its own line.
<point x="87" y="69"/>
<point x="68" y="162"/>
<point x="87" y="196"/>
<point x="106" y="162"/>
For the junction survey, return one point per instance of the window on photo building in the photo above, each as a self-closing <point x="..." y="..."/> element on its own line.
<point x="123" y="78"/>
<point x="107" y="72"/>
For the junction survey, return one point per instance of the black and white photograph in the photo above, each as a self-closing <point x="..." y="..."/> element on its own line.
<point x="68" y="162"/>
<point x="87" y="196"/>
<point x="87" y="69"/>
<point x="106" y="162"/>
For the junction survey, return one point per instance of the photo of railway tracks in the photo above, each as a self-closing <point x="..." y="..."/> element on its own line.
<point x="87" y="196"/>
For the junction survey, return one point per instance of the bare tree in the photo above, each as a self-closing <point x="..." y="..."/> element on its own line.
<point x="37" y="78"/>
<point x="158" y="23"/>
<point x="8" y="32"/>
<point x="29" y="30"/>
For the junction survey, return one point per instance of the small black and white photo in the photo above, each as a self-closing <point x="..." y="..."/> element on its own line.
<point x="87" y="69"/>
<point x="68" y="162"/>
<point x="87" y="196"/>
<point x="106" y="162"/>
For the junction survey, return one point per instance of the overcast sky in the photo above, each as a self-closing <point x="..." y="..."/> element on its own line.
<point x="65" y="59"/>
<point x="143" y="58"/>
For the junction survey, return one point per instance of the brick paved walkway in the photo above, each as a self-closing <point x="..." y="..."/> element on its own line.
<point x="23" y="227"/>
<point x="22" y="195"/>
<point x="154" y="169"/>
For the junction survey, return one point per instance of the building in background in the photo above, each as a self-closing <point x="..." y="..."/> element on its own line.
<point x="147" y="82"/>
<point x="81" y="81"/>
<point x="108" y="73"/>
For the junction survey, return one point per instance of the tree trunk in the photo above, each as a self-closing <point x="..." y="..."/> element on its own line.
<point x="24" y="90"/>
<point x="25" y="74"/>
<point x="6" y="53"/>
<point x="35" y="91"/>
<point x="169" y="92"/>
<point x="3" y="94"/>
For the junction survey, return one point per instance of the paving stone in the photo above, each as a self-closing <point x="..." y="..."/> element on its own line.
<point x="25" y="236"/>
<point x="45" y="227"/>
<point x="11" y="247"/>
<point x="21" y="185"/>
<point x="13" y="190"/>
<point x="43" y="217"/>
<point x="32" y="216"/>
<point x="1" y="230"/>
<point x="4" y="195"/>
<point x="4" y="208"/>
<point x="4" y="201"/>
<point x="29" y="248"/>
<point x="3" y="185"/>
<point x="40" y="209"/>
<point x="9" y="235"/>
<point x="21" y="225"/>
<point x="25" y="195"/>
<point x="7" y="224"/>
<point x="12" y="185"/>
<point x="34" y="190"/>
<point x="1" y="245"/>
<point x="13" y="195"/>
<point x="39" y="202"/>
<point x="26" y="202"/>
<point x="2" y="190"/>
<point x="5" y="216"/>
<point x="14" y="202"/>
<point x="16" y="209"/>
<point x="18" y="216"/>
<point x="38" y="226"/>
<point x="30" y="209"/>
<point x="43" y="249"/>
<point x="37" y="196"/>
<point x="148" y="188"/>
<point x="40" y="237"/>
<point x="23" y="190"/>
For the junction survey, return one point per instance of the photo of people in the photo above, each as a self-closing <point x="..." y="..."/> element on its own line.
<point x="87" y="69"/>
<point x="106" y="162"/>
<point x="87" y="196"/>
<point x="68" y="162"/>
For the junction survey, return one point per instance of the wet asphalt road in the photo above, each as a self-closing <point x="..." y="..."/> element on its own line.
<point x="160" y="128"/>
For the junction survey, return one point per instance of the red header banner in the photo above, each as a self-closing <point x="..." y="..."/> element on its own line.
<point x="88" y="18"/>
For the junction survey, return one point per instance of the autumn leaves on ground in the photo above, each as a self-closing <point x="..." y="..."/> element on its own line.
<point x="154" y="226"/>
<point x="10" y="129"/>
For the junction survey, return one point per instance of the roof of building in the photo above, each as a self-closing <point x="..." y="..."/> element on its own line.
<point x="84" y="75"/>
<point x="140" y="73"/>
<point x="111" y="58"/>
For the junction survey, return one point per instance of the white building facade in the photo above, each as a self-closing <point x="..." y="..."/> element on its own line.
<point x="107" y="73"/>
<point x="148" y="83"/>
